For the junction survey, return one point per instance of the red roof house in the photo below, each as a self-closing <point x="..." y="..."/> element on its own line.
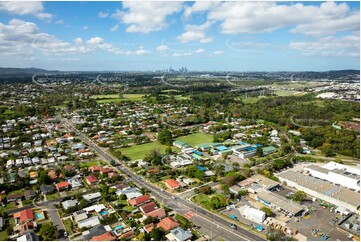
<point x="108" y="236"/>
<point x="172" y="184"/>
<point x="139" y="200"/>
<point x="62" y="186"/>
<point x="148" y="207"/>
<point x="167" y="223"/>
<point x="91" y="180"/>
<point x="24" y="216"/>
<point x="159" y="213"/>
<point x="148" y="227"/>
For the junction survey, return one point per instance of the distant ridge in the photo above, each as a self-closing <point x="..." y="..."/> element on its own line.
<point x="18" y="71"/>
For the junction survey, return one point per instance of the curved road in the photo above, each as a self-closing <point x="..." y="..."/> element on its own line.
<point x="215" y="227"/>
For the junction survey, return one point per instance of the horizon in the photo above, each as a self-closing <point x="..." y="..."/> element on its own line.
<point x="206" y="36"/>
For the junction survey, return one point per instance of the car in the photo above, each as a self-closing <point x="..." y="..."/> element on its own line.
<point x="233" y="226"/>
<point x="65" y="234"/>
<point x="162" y="190"/>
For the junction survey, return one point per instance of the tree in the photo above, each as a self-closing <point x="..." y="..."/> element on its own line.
<point x="267" y="211"/>
<point x="299" y="196"/>
<point x="229" y="180"/>
<point x="205" y="189"/>
<point x="327" y="149"/>
<point x="259" y="151"/>
<point x="48" y="232"/>
<point x="154" y="157"/>
<point x="168" y="150"/>
<point x="158" y="234"/>
<point x="225" y="189"/>
<point x="235" y="166"/>
<point x="242" y="193"/>
<point x="165" y="137"/>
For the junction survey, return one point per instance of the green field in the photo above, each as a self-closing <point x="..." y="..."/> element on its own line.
<point x="196" y="138"/>
<point x="251" y="100"/>
<point x="139" y="151"/>
<point x="285" y="93"/>
<point x="115" y="98"/>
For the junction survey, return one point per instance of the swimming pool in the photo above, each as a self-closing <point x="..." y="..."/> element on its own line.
<point x="118" y="227"/>
<point x="39" y="215"/>
<point x="104" y="212"/>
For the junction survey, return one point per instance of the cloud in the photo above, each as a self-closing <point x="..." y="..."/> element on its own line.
<point x="196" y="33"/>
<point x="330" y="46"/>
<point x="20" y="38"/>
<point x="260" y="17"/>
<point x="146" y="17"/>
<point x="200" y="6"/>
<point x="25" y="8"/>
<point x="85" y="27"/>
<point x="245" y="45"/>
<point x="60" y="22"/>
<point x="190" y="53"/>
<point x="218" y="52"/>
<point x="114" y="28"/>
<point x="162" y="48"/>
<point x="103" y="15"/>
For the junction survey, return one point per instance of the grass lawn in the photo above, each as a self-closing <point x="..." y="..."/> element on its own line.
<point x="196" y="138"/>
<point x="52" y="196"/>
<point x="4" y="236"/>
<point x="139" y="151"/>
<point x="10" y="206"/>
<point x="288" y="93"/>
<point x="16" y="192"/>
<point x="203" y="200"/>
<point x="88" y="164"/>
<point x="68" y="224"/>
<point x="115" y="98"/>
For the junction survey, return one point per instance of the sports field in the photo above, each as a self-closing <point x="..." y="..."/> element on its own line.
<point x="139" y="151"/>
<point x="196" y="138"/>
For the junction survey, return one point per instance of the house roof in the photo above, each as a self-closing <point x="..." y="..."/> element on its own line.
<point x="167" y="223"/>
<point x="181" y="234"/>
<point x="160" y="213"/>
<point x="139" y="200"/>
<point x="62" y="185"/>
<point x="24" y="215"/>
<point x="172" y="183"/>
<point x="91" y="179"/>
<point x="46" y="188"/>
<point x="148" y="207"/>
<point x="108" y="236"/>
<point x="14" y="196"/>
<point x="149" y="227"/>
<point x="95" y="231"/>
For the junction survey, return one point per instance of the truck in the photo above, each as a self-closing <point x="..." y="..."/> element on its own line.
<point x="233" y="217"/>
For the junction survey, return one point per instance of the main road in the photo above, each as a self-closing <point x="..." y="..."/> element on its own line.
<point x="211" y="224"/>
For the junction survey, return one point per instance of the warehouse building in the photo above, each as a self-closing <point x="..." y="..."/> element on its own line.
<point x="337" y="173"/>
<point x="321" y="189"/>
<point x="252" y="214"/>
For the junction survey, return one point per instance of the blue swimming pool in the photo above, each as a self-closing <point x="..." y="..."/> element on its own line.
<point x="39" y="215"/>
<point x="118" y="227"/>
<point x="104" y="212"/>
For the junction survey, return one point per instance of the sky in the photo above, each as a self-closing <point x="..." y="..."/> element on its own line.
<point x="202" y="36"/>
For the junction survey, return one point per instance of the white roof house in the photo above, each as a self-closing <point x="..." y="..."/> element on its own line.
<point x="69" y="203"/>
<point x="89" y="222"/>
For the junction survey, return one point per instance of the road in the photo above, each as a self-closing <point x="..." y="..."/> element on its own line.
<point x="214" y="226"/>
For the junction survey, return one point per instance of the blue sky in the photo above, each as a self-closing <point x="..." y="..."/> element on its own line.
<point x="230" y="36"/>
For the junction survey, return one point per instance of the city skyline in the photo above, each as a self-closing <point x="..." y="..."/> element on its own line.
<point x="208" y="36"/>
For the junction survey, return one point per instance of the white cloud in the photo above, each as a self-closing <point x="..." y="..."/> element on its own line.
<point x="259" y="17"/>
<point x="218" y="52"/>
<point x="60" y="22"/>
<point x="196" y="33"/>
<point x="114" y="28"/>
<point x="162" y="48"/>
<point x="245" y="45"/>
<point x="145" y="17"/>
<point x="85" y="27"/>
<point x="199" y="6"/>
<point x="78" y="41"/>
<point x="103" y="15"/>
<point x="20" y="38"/>
<point x="179" y="54"/>
<point x="346" y="46"/>
<point x="25" y="8"/>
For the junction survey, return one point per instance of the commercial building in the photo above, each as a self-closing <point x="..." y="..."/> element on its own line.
<point x="321" y="189"/>
<point x="252" y="214"/>
<point x="337" y="173"/>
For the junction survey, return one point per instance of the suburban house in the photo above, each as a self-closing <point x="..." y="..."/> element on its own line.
<point x="24" y="221"/>
<point x="139" y="200"/>
<point x="29" y="194"/>
<point x="62" y="186"/>
<point x="268" y="150"/>
<point x="92" y="197"/>
<point x="167" y="223"/>
<point x="172" y="184"/>
<point x="91" y="180"/>
<point x="13" y="198"/>
<point x="179" y="234"/>
<point x="159" y="213"/>
<point x="148" y="207"/>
